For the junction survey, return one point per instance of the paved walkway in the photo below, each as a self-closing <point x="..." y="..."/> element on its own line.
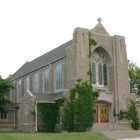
<point x="123" y="135"/>
<point x="130" y="139"/>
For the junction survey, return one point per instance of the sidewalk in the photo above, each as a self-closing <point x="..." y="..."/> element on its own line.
<point x="130" y="139"/>
<point x="123" y="135"/>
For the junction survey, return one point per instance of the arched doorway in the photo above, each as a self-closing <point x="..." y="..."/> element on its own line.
<point x="101" y="113"/>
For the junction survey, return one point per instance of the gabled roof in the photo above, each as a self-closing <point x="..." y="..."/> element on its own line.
<point x="43" y="60"/>
<point x="99" y="29"/>
<point x="48" y="97"/>
<point x="11" y="106"/>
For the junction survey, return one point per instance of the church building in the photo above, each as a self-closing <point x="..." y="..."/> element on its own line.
<point x="51" y="76"/>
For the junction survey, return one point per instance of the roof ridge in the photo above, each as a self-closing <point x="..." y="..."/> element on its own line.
<point x="43" y="60"/>
<point x="19" y="69"/>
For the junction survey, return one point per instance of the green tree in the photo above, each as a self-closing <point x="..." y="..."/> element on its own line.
<point x="78" y="113"/>
<point x="134" y="77"/>
<point x="131" y="114"/>
<point x="5" y="87"/>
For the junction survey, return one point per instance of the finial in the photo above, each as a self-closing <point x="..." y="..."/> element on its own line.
<point x="99" y="19"/>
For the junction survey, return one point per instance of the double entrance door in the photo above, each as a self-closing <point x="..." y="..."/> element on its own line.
<point x="101" y="113"/>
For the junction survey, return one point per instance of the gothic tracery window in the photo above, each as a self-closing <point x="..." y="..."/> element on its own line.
<point x="99" y="68"/>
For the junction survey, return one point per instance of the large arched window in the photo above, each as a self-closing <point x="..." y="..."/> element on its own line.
<point x="36" y="82"/>
<point x="27" y="83"/>
<point x="46" y="80"/>
<point x="19" y="90"/>
<point x="58" y="76"/>
<point x="99" y="69"/>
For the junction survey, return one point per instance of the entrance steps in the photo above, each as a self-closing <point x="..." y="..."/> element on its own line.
<point x="105" y="127"/>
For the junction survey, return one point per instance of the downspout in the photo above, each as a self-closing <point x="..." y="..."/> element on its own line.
<point x="36" y="115"/>
<point x="14" y="118"/>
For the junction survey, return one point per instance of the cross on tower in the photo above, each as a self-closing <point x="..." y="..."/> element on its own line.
<point x="99" y="19"/>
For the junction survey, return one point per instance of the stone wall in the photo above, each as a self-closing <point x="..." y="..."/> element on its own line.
<point x="26" y="120"/>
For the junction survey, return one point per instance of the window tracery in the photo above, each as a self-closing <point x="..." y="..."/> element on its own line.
<point x="99" y="68"/>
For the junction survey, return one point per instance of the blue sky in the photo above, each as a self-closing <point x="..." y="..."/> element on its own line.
<point x="30" y="28"/>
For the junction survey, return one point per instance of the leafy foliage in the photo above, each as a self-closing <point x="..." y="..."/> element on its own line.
<point x="5" y="87"/>
<point x="78" y="113"/>
<point x="131" y="114"/>
<point x="134" y="77"/>
<point x="91" y="42"/>
<point x="57" y="128"/>
<point x="49" y="113"/>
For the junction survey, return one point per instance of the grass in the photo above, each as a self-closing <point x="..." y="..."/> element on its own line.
<point x="9" y="135"/>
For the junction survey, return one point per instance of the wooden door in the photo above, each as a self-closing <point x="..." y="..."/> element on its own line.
<point x="104" y="114"/>
<point x="95" y="111"/>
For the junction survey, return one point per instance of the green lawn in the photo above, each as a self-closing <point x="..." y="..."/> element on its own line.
<point x="51" y="136"/>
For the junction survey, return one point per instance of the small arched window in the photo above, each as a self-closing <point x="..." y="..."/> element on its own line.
<point x="123" y="97"/>
<point x="27" y="83"/>
<point x="36" y="82"/>
<point x="46" y="80"/>
<point x="19" y="91"/>
<point x="59" y="76"/>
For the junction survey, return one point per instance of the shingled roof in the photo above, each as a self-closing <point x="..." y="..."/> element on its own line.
<point x="11" y="106"/>
<point x="43" y="60"/>
<point x="48" y="98"/>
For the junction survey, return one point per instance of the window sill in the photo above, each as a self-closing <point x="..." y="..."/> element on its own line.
<point x="100" y="87"/>
<point x="58" y="90"/>
<point x="3" y="120"/>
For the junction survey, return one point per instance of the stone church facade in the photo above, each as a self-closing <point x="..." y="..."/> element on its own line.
<point x="51" y="76"/>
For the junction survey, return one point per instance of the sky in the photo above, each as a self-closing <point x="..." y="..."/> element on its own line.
<point x="30" y="28"/>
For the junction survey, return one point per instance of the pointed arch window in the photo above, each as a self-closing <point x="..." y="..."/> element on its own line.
<point x="99" y="69"/>
<point x="46" y="80"/>
<point x="59" y="76"/>
<point x="36" y="82"/>
<point x="19" y="91"/>
<point x="27" y="83"/>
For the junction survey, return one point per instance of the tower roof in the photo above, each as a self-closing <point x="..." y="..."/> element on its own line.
<point x="99" y="29"/>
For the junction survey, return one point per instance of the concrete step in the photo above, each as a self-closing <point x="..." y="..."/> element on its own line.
<point x="104" y="127"/>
